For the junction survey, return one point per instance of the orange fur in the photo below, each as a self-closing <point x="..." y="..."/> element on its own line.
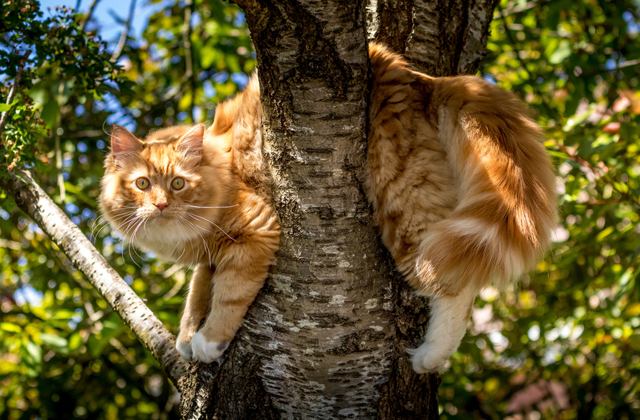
<point x="461" y="187"/>
<point x="458" y="178"/>
<point x="222" y="220"/>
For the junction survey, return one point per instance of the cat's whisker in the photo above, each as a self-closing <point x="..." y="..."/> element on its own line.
<point x="128" y="224"/>
<point x="142" y="222"/>
<point x="184" y="232"/>
<point x="215" y="207"/>
<point x="95" y="225"/>
<point x="97" y="235"/>
<point x="131" y="225"/>
<point x="207" y="220"/>
<point x="203" y="241"/>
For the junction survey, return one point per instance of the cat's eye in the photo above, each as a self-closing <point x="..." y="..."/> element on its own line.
<point x="142" y="183"/>
<point x="177" y="183"/>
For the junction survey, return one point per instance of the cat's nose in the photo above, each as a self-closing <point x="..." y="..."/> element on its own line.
<point x="162" y="206"/>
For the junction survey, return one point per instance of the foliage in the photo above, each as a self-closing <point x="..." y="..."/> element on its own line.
<point x="63" y="352"/>
<point x="566" y="345"/>
<point x="61" y="63"/>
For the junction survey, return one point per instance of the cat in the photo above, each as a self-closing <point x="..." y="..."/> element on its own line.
<point x="199" y="200"/>
<point x="461" y="188"/>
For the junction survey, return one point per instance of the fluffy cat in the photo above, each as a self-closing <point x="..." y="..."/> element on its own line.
<point x="199" y="200"/>
<point x="461" y="187"/>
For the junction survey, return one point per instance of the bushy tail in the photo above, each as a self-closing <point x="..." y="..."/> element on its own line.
<point x="506" y="189"/>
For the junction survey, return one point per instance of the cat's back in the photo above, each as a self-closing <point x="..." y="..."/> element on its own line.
<point x="239" y="119"/>
<point x="409" y="182"/>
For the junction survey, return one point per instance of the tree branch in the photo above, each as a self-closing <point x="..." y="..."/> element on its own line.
<point x="87" y="17"/>
<point x="189" y="75"/>
<point x="125" y="33"/>
<point x="145" y="325"/>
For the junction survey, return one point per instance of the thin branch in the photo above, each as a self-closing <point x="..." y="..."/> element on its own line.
<point x="12" y="93"/>
<point x="85" y="133"/>
<point x="189" y="75"/>
<point x="69" y="238"/>
<point x="87" y="17"/>
<point x="186" y="39"/>
<point x="519" y="8"/>
<point x="125" y="33"/>
<point x="8" y="244"/>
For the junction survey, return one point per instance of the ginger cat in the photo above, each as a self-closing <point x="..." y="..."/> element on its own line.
<point x="199" y="199"/>
<point x="461" y="187"/>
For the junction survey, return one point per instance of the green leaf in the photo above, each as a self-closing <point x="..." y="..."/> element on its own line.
<point x="604" y="233"/>
<point x="9" y="327"/>
<point x="633" y="310"/>
<point x="74" y="341"/>
<point x="54" y="340"/>
<point x="33" y="353"/>
<point x="50" y="113"/>
<point x="7" y="107"/>
<point x="563" y="51"/>
<point x="634" y="341"/>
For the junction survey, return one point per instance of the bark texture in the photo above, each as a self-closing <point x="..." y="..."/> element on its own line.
<point x="439" y="37"/>
<point x="326" y="338"/>
<point x="66" y="235"/>
<point x="330" y="340"/>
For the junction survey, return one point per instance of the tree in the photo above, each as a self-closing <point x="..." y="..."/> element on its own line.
<point x="327" y="336"/>
<point x="564" y="346"/>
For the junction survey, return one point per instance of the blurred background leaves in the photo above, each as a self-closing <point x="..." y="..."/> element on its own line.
<point x="63" y="352"/>
<point x="565" y="345"/>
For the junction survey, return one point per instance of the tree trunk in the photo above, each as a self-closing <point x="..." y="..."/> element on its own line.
<point x="326" y="338"/>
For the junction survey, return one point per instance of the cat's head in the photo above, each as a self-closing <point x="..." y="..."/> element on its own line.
<point x="163" y="188"/>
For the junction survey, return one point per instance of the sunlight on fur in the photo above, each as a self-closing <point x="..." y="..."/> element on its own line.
<point x="461" y="186"/>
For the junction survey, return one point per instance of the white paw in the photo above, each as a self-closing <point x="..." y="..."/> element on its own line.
<point x="184" y="348"/>
<point x="205" y="351"/>
<point x="428" y="358"/>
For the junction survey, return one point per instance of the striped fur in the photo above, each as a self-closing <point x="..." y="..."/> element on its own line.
<point x="222" y="221"/>
<point x="462" y="189"/>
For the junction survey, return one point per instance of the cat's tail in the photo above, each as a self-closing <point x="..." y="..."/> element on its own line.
<point x="506" y="207"/>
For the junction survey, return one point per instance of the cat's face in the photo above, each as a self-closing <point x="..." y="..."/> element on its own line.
<point x="160" y="190"/>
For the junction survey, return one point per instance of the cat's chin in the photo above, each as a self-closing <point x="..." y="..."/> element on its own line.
<point x="161" y="220"/>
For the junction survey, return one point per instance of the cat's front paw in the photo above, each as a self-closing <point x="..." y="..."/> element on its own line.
<point x="184" y="348"/>
<point x="428" y="358"/>
<point x="206" y="351"/>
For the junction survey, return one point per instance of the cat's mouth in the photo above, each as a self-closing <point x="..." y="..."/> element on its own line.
<point x="162" y="218"/>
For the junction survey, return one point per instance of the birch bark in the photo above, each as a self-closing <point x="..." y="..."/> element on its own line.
<point x="326" y="338"/>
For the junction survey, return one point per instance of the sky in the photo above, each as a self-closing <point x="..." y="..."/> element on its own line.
<point x="108" y="27"/>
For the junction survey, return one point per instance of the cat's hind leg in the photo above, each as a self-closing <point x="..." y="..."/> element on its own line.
<point x="196" y="308"/>
<point x="447" y="326"/>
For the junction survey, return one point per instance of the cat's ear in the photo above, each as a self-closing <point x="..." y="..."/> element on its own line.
<point x="190" y="144"/>
<point x="123" y="142"/>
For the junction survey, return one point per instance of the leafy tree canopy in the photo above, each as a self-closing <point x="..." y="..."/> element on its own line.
<point x="564" y="346"/>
